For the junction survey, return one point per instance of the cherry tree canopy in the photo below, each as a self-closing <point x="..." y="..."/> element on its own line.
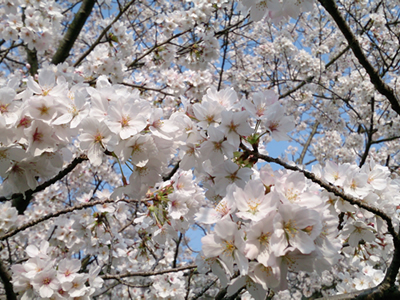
<point x="127" y="125"/>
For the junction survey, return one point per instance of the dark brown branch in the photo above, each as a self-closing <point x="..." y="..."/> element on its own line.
<point x="13" y="46"/>
<point x="387" y="286"/>
<point x="32" y="60"/>
<point x="73" y="31"/>
<point x="221" y="294"/>
<point x="173" y="171"/>
<point x="221" y="73"/>
<point x="15" y="61"/>
<point x="233" y="27"/>
<point x="376" y="80"/>
<point x="6" y="52"/>
<point x="386" y="140"/>
<point x="188" y="285"/>
<point x="21" y="200"/>
<point x="178" y="242"/>
<point x="6" y="279"/>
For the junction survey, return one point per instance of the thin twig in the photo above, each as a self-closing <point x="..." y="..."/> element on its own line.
<point x="310" y="78"/>
<point x="205" y="289"/>
<point x="374" y="76"/>
<point x="59" y="213"/>
<point x="143" y="87"/>
<point x="178" y="242"/>
<point x="308" y="143"/>
<point x="147" y="274"/>
<point x="102" y="34"/>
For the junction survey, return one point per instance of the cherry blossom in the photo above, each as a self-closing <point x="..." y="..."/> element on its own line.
<point x="199" y="149"/>
<point x="96" y="139"/>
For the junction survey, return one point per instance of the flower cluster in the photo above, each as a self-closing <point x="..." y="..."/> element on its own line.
<point x="275" y="224"/>
<point x="36" y="25"/>
<point x="167" y="286"/>
<point x="275" y="9"/>
<point x="8" y="217"/>
<point x="216" y="128"/>
<point x="43" y="277"/>
<point x="51" y="115"/>
<point x="283" y="223"/>
<point x="156" y="122"/>
<point x="115" y="121"/>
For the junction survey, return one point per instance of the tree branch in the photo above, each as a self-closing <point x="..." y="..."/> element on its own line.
<point x="385" y="140"/>
<point x="376" y="80"/>
<point x="369" y="132"/>
<point x="310" y="78"/>
<point x="204" y="290"/>
<point x="103" y="33"/>
<point x="56" y="214"/>
<point x="225" y="45"/>
<point x="135" y="62"/>
<point x="6" y="279"/>
<point x="21" y="200"/>
<point x="178" y="242"/>
<point x="32" y="60"/>
<point x="173" y="171"/>
<point x="330" y="188"/>
<point x="386" y="289"/>
<point x="73" y="31"/>
<point x="147" y="274"/>
<point x="143" y="87"/>
<point x="308" y="143"/>
<point x="6" y="52"/>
